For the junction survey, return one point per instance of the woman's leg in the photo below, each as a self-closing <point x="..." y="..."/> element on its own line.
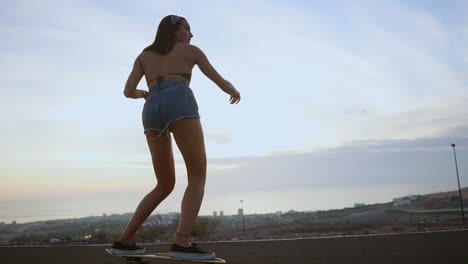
<point x="163" y="164"/>
<point x="188" y="135"/>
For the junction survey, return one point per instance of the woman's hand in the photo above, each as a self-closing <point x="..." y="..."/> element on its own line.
<point x="141" y="94"/>
<point x="235" y="95"/>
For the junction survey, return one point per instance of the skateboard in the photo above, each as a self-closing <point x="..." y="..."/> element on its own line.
<point x="136" y="259"/>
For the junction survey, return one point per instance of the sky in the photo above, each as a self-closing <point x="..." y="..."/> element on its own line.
<point x="356" y="100"/>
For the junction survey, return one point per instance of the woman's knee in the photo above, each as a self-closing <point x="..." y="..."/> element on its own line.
<point x="166" y="187"/>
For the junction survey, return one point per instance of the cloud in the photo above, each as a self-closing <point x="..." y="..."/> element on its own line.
<point x="311" y="78"/>
<point x="459" y="131"/>
<point x="359" y="63"/>
<point x="402" y="145"/>
<point x="360" y="163"/>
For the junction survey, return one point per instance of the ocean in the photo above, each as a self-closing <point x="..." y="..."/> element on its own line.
<point x="307" y="199"/>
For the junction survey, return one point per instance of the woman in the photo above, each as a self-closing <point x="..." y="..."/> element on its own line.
<point x="171" y="107"/>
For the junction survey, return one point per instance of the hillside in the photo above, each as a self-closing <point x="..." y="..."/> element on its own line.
<point x="437" y="211"/>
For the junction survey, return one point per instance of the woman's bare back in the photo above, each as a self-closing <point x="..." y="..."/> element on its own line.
<point x="181" y="59"/>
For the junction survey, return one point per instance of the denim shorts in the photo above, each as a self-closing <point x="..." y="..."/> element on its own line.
<point x="167" y="102"/>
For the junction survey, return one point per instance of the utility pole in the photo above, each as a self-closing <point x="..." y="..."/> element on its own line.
<point x="458" y="179"/>
<point x="243" y="221"/>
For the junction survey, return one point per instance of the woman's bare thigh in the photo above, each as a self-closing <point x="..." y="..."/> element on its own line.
<point x="163" y="159"/>
<point x="188" y="134"/>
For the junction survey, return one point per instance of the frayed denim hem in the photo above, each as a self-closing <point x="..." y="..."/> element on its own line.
<point x="167" y="126"/>
<point x="155" y="129"/>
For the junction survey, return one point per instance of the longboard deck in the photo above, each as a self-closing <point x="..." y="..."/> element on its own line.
<point x="164" y="256"/>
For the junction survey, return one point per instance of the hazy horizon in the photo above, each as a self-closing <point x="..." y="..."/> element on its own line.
<point x="43" y="209"/>
<point x="385" y="99"/>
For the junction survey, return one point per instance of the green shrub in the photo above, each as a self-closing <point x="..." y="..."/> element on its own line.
<point x="205" y="226"/>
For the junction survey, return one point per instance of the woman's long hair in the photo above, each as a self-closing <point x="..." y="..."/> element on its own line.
<point x="165" y="38"/>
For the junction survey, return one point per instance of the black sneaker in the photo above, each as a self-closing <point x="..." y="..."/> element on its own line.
<point x="119" y="248"/>
<point x="192" y="252"/>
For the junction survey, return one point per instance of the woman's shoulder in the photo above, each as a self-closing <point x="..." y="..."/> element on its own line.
<point x="196" y="52"/>
<point x="146" y="53"/>
<point x="193" y="48"/>
<point x="192" y="52"/>
<point x="186" y="51"/>
<point x="188" y="48"/>
<point x="179" y="47"/>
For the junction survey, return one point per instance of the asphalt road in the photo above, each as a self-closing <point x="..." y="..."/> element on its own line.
<point x="428" y="247"/>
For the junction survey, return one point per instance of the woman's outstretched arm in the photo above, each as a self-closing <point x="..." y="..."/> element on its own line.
<point x="205" y="66"/>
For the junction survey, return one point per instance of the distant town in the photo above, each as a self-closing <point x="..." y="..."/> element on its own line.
<point x="402" y="214"/>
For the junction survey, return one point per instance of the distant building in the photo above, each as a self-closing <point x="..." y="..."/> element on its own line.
<point x="359" y="204"/>
<point x="240" y="212"/>
<point x="215" y="213"/>
<point x="19" y="228"/>
<point x="221" y="213"/>
<point x="401" y="201"/>
<point x="56" y="241"/>
<point x="36" y="224"/>
<point x="13" y="222"/>
<point x="405" y="200"/>
<point x="104" y="214"/>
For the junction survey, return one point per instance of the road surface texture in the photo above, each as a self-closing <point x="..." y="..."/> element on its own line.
<point x="441" y="247"/>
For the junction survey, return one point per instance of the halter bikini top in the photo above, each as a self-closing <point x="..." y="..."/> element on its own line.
<point x="160" y="78"/>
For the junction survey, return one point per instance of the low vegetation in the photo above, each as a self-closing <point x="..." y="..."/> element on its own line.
<point x="107" y="233"/>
